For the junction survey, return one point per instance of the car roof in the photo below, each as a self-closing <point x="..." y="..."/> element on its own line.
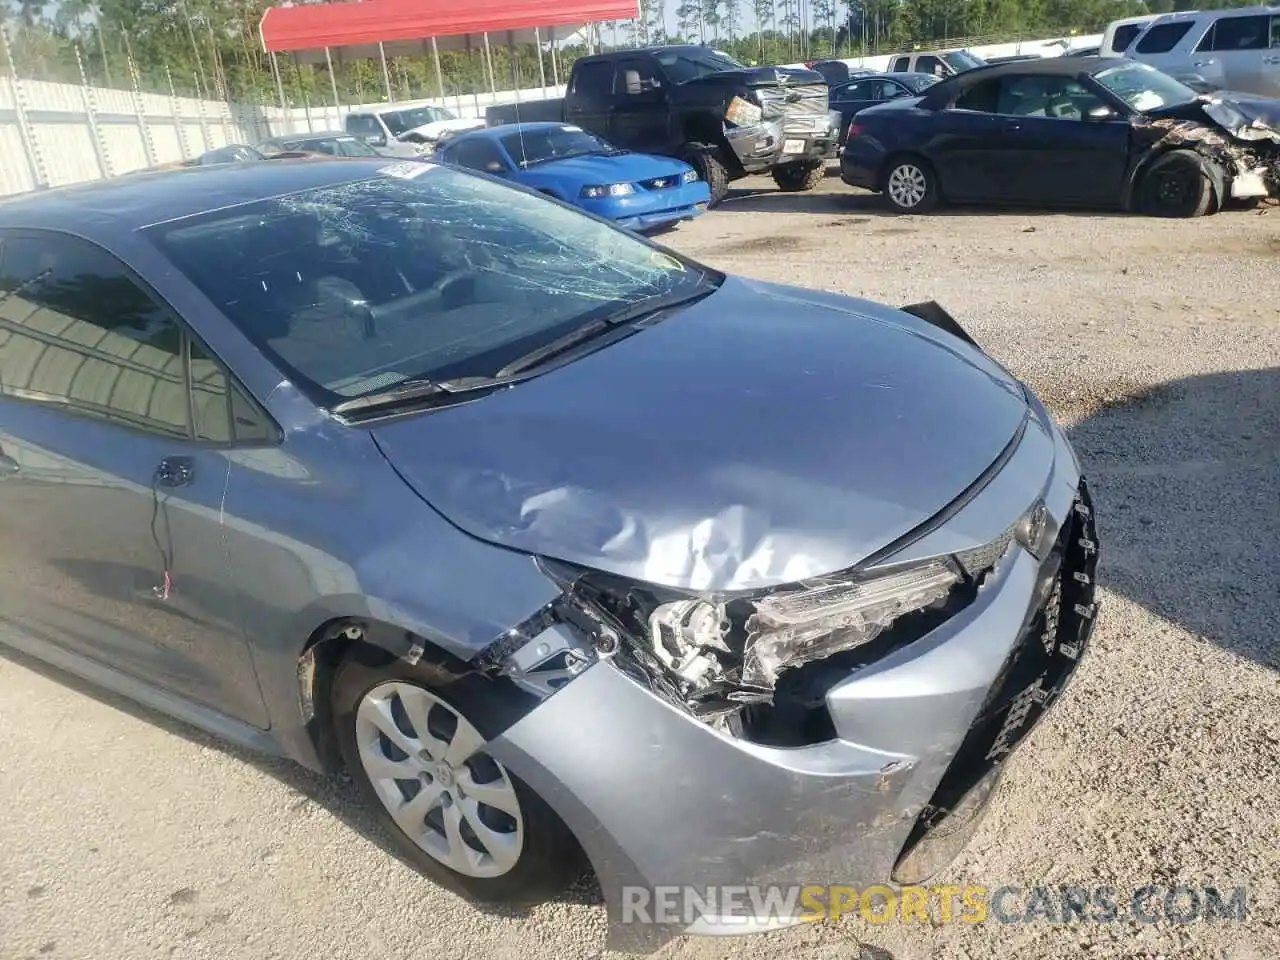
<point x="506" y="129"/>
<point x="105" y="209"/>
<point x="1043" y="67"/>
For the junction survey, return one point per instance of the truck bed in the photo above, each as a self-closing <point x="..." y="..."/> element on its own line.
<point x="527" y="111"/>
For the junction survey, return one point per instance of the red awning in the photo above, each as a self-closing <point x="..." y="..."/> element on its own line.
<point x="385" y="21"/>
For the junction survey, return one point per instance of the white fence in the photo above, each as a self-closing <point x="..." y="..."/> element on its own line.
<point x="53" y="134"/>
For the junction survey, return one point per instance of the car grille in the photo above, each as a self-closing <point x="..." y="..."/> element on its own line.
<point x="782" y="102"/>
<point x="661" y="183"/>
<point x="1036" y="672"/>
<point x="806" y="124"/>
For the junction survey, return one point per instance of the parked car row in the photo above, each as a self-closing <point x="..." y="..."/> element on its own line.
<point x="650" y="137"/>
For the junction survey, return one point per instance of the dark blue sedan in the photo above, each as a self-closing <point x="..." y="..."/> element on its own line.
<point x="1078" y="131"/>
<point x="634" y="190"/>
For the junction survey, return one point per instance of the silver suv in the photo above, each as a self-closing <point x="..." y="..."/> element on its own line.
<point x="1237" y="50"/>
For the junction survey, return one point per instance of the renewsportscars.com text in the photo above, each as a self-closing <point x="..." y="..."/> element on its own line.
<point x="746" y="904"/>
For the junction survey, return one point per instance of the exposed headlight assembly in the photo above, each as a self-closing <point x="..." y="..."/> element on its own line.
<point x="788" y="629"/>
<point x="692" y="638"/>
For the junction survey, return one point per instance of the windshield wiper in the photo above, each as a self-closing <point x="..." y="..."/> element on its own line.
<point x="416" y="388"/>
<point x="647" y="309"/>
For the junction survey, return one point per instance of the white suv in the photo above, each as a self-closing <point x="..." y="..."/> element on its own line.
<point x="1236" y="50"/>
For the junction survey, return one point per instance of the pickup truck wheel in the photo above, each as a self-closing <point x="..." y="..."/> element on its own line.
<point x="414" y="740"/>
<point x="711" y="170"/>
<point x="796" y="177"/>
<point x="910" y="185"/>
<point x="1176" y="185"/>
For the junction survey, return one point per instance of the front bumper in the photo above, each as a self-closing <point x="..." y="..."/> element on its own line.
<point x="652" y="208"/>
<point x="657" y="798"/>
<point x="761" y="147"/>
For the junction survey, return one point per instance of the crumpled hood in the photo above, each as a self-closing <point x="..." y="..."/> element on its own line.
<point x="601" y="169"/>
<point x="437" y="128"/>
<point x="1243" y="116"/>
<point x="760" y="436"/>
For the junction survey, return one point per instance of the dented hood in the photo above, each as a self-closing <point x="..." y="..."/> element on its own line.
<point x="760" y="436"/>
<point x="1243" y="116"/>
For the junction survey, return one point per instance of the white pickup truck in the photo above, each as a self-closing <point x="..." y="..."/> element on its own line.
<point x="406" y="130"/>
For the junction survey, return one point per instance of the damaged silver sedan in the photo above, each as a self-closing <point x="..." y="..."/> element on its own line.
<point x="569" y="549"/>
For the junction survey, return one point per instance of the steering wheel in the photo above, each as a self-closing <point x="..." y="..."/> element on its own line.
<point x="452" y="283"/>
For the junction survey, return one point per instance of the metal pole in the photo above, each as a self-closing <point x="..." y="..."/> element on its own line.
<point x="488" y="59"/>
<point x="91" y="114"/>
<point x="302" y="90"/>
<point x="138" y="105"/>
<point x="284" y="104"/>
<point x="515" y="69"/>
<point x="555" y="63"/>
<point x="542" y="71"/>
<point x="180" y="126"/>
<point x="29" y="146"/>
<point x="102" y="49"/>
<point x="386" y="74"/>
<point x="203" y="85"/>
<point x="435" y="55"/>
<point x="333" y="81"/>
<point x="204" y="127"/>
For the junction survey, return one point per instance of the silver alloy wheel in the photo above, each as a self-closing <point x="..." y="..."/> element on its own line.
<point x="423" y="758"/>
<point x="907" y="185"/>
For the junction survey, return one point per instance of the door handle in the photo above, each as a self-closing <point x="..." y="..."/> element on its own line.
<point x="1202" y="63"/>
<point x="1271" y="59"/>
<point x="175" y="472"/>
<point x="8" y="466"/>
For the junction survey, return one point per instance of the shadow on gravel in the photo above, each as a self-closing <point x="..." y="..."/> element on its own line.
<point x="337" y="794"/>
<point x="1186" y="477"/>
<point x="850" y="202"/>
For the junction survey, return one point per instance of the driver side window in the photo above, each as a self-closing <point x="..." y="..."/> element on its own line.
<point x="1057" y="98"/>
<point x="478" y="154"/>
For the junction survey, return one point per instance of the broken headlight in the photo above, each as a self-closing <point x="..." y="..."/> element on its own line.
<point x="791" y="628"/>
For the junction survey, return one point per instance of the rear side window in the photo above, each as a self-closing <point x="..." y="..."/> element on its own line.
<point x="79" y="332"/>
<point x="901" y="65"/>
<point x="1124" y="36"/>
<point x="593" y="78"/>
<point x="362" y="123"/>
<point x="983" y="97"/>
<point x="1163" y="37"/>
<point x="1240" y="33"/>
<point x="930" y="65"/>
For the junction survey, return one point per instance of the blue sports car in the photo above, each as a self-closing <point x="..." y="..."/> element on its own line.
<point x="634" y="190"/>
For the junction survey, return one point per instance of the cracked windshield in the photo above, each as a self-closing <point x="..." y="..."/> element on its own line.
<point x="419" y="272"/>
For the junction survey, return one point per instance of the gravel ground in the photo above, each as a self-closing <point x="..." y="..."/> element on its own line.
<point x="126" y="835"/>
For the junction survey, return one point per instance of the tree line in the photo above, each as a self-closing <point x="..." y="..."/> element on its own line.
<point x="210" y="48"/>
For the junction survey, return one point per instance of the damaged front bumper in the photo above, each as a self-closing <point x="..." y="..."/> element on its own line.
<point x="660" y="797"/>
<point x="760" y="147"/>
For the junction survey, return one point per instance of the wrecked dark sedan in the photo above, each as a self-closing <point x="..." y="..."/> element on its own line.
<point x="1079" y="131"/>
<point x="569" y="549"/>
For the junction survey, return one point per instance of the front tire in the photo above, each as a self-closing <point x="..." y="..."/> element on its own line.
<point x="1176" y="185"/>
<point x="797" y="177"/>
<point x="413" y="739"/>
<point x="910" y="185"/>
<point x="712" y="171"/>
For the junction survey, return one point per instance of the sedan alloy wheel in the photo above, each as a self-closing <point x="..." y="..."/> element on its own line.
<point x="421" y="757"/>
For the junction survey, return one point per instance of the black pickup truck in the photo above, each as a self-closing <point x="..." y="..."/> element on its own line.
<point x="699" y="105"/>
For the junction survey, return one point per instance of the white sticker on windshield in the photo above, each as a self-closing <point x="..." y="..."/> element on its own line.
<point x="407" y="169"/>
